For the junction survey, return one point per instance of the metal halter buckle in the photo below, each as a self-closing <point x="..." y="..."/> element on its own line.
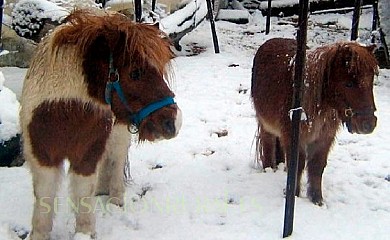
<point x="132" y="128"/>
<point x="348" y="112"/>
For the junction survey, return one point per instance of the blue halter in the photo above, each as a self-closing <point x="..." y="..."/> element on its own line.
<point x="137" y="117"/>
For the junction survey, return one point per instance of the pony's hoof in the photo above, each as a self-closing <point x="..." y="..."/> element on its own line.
<point x="39" y="236"/>
<point x="82" y="236"/>
<point x="101" y="193"/>
<point x="298" y="191"/>
<point x="315" y="197"/>
<point x="118" y="201"/>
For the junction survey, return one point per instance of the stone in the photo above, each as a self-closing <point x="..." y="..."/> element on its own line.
<point x="17" y="51"/>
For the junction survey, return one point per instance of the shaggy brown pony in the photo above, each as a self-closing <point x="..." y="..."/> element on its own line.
<point x="91" y="78"/>
<point x="338" y="88"/>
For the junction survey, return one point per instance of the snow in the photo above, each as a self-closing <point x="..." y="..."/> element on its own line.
<point x="170" y="24"/>
<point x="201" y="186"/>
<point x="27" y="15"/>
<point x="51" y="10"/>
<point x="225" y="14"/>
<point x="285" y="3"/>
<point x="9" y="108"/>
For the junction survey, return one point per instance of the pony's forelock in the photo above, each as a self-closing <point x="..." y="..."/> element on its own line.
<point x="145" y="43"/>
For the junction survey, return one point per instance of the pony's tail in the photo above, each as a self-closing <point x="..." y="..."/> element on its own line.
<point x="277" y="154"/>
<point x="127" y="173"/>
<point x="259" y="148"/>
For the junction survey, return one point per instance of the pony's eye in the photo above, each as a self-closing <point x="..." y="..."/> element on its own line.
<point x="136" y="74"/>
<point x="349" y="84"/>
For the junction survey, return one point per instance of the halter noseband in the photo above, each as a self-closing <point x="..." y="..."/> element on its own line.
<point x="136" y="118"/>
<point x="349" y="113"/>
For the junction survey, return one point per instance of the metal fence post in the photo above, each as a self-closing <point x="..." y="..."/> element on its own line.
<point x="212" y="24"/>
<point x="300" y="61"/>
<point x="355" y="20"/>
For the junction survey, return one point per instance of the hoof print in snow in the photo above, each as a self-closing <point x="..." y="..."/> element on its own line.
<point x="249" y="33"/>
<point x="208" y="152"/>
<point x="242" y="90"/>
<point x="195" y="49"/>
<point x="233" y="201"/>
<point x="157" y="166"/>
<point x="144" y="190"/>
<point x="387" y="178"/>
<point x="222" y="133"/>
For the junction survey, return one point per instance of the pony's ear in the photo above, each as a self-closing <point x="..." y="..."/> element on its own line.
<point x="371" y="48"/>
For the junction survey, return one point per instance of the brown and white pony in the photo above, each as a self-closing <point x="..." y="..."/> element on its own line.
<point x="90" y="79"/>
<point x="338" y="88"/>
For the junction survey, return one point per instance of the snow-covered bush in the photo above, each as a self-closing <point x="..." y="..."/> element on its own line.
<point x="9" y="125"/>
<point x="30" y="16"/>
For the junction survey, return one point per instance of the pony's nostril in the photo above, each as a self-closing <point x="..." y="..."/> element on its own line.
<point x="169" y="126"/>
<point x="367" y="127"/>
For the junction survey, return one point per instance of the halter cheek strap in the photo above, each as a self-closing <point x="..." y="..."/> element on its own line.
<point x="115" y="85"/>
<point x="136" y="118"/>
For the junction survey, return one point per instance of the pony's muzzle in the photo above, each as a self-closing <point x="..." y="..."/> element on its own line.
<point x="368" y="126"/>
<point x="164" y="124"/>
<point x="363" y="124"/>
<point x="176" y="123"/>
<point x="171" y="126"/>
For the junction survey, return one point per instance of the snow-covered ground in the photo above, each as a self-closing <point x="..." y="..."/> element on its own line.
<point x="9" y="107"/>
<point x="201" y="186"/>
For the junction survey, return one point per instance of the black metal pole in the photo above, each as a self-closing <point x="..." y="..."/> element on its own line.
<point x="300" y="61"/>
<point x="103" y="2"/>
<point x="375" y="15"/>
<point x="355" y="20"/>
<point x="212" y="24"/>
<point x="1" y="23"/>
<point x="153" y="5"/>
<point x="268" y="22"/>
<point x="375" y="20"/>
<point x="138" y="10"/>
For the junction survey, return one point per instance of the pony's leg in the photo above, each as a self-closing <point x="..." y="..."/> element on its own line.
<point x="317" y="159"/>
<point x="267" y="149"/>
<point x="118" y="145"/>
<point x="301" y="167"/>
<point x="83" y="181"/>
<point x="83" y="196"/>
<point x="286" y="147"/>
<point x="279" y="153"/>
<point x="104" y="177"/>
<point x="45" y="182"/>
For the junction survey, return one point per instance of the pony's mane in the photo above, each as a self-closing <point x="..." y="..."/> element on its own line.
<point x="130" y="43"/>
<point x="320" y="61"/>
<point x="361" y="59"/>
